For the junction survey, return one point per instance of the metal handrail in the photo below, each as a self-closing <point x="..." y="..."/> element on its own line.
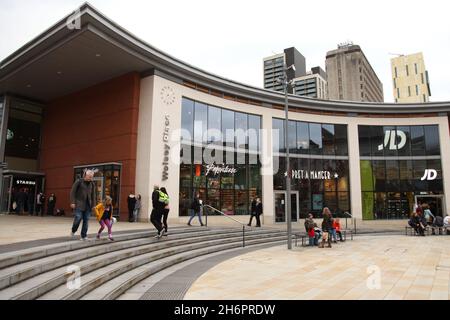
<point x="351" y="216"/>
<point x="225" y="215"/>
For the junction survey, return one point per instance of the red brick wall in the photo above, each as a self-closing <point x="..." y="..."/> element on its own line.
<point x="95" y="125"/>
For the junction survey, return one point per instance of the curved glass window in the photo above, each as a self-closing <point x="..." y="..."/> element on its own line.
<point x="225" y="148"/>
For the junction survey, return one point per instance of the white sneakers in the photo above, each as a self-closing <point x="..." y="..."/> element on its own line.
<point x="160" y="234"/>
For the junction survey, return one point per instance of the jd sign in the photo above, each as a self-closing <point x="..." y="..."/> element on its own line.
<point x="391" y="135"/>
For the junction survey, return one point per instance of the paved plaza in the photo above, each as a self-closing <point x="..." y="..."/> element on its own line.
<point x="410" y="268"/>
<point x="372" y="266"/>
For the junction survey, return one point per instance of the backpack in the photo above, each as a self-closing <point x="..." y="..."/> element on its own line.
<point x="438" y="221"/>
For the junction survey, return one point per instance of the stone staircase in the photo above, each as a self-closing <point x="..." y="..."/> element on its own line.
<point x="109" y="269"/>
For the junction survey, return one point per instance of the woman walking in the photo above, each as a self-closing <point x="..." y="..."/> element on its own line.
<point x="166" y="210"/>
<point x="104" y="212"/>
<point x="327" y="226"/>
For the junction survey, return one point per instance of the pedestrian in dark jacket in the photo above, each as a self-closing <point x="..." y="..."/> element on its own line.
<point x="196" y="210"/>
<point x="83" y="199"/>
<point x="252" y="212"/>
<point x="131" y="201"/>
<point x="419" y="223"/>
<point x="157" y="212"/>
<point x="51" y="205"/>
<point x="40" y="201"/>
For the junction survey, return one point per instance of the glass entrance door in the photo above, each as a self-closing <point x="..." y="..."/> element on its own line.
<point x="281" y="208"/>
<point x="435" y="202"/>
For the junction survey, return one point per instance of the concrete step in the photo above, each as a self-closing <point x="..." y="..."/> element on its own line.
<point x="16" y="257"/>
<point x="104" y="274"/>
<point x="20" y="272"/>
<point x="118" y="286"/>
<point x="39" y="284"/>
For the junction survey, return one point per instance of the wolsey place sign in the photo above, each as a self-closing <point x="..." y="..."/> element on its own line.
<point x="166" y="132"/>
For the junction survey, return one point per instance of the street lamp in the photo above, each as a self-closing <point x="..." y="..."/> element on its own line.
<point x="286" y="84"/>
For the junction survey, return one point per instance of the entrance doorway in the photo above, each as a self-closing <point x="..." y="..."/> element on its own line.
<point x="281" y="208"/>
<point x="19" y="191"/>
<point x="435" y="202"/>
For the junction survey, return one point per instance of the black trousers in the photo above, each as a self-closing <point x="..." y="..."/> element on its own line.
<point x="164" y="216"/>
<point x="155" y="218"/>
<point x="258" y="220"/>
<point x="130" y="214"/>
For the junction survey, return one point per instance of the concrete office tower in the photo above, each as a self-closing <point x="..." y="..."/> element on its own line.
<point x="351" y="77"/>
<point x="313" y="84"/>
<point x="273" y="68"/>
<point x="410" y="79"/>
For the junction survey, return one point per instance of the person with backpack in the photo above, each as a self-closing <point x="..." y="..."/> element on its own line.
<point x="104" y="215"/>
<point x="83" y="200"/>
<point x="196" y="210"/>
<point x="164" y="198"/>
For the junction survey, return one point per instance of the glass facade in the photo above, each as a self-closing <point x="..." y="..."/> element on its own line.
<point x="319" y="164"/>
<point x="397" y="165"/>
<point x="220" y="152"/>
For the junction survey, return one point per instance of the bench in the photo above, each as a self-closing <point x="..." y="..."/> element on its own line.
<point x="304" y="236"/>
<point x="428" y="230"/>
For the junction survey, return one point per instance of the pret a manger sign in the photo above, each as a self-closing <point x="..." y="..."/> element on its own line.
<point x="313" y="175"/>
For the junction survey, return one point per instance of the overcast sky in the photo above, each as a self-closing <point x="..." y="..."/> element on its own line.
<point x="231" y="37"/>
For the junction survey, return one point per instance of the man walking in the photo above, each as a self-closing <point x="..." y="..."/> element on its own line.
<point x="83" y="200"/>
<point x="252" y="212"/>
<point x="157" y="212"/>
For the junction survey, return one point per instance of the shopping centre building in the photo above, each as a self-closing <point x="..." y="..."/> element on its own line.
<point x="88" y="94"/>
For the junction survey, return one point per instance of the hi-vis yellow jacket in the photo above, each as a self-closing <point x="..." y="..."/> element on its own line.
<point x="99" y="210"/>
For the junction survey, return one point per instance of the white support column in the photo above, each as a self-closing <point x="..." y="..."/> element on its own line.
<point x="143" y="162"/>
<point x="354" y="171"/>
<point x="267" y="170"/>
<point x="444" y="138"/>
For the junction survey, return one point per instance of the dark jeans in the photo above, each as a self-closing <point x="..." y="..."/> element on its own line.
<point x="39" y="209"/>
<point x="155" y="218"/>
<point x="81" y="215"/>
<point x="258" y="220"/>
<point x="51" y="210"/>
<point x="131" y="214"/>
<point x="165" y="215"/>
<point x="193" y="214"/>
